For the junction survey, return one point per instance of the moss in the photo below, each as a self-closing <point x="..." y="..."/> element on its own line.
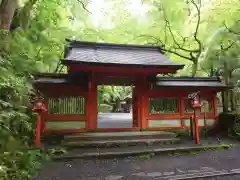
<point x="226" y="146"/>
<point x="146" y="156"/>
<point x="57" y="151"/>
<point x="195" y="152"/>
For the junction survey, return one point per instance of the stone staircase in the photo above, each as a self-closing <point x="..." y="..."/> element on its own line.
<point x="119" y="139"/>
<point x="116" y="144"/>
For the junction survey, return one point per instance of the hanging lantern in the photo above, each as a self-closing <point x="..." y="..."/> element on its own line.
<point x="195" y="100"/>
<point x="39" y="106"/>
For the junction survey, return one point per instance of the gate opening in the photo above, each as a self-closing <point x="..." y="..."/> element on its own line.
<point x="115" y="107"/>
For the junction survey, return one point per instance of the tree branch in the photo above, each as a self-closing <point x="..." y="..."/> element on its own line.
<point x="84" y="6"/>
<point x="168" y="26"/>
<point x="197" y="26"/>
<point x="228" y="47"/>
<point x="230" y="30"/>
<point x="159" y="41"/>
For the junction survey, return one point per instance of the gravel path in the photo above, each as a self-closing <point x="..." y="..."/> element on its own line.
<point x="115" y="120"/>
<point x="135" y="168"/>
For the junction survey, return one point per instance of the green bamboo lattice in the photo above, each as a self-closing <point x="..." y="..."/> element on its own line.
<point x="66" y="105"/>
<point x="163" y="105"/>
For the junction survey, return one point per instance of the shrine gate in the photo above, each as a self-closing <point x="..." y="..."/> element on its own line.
<point x="159" y="103"/>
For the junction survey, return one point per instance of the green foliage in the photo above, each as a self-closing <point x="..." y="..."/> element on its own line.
<point x="230" y="123"/>
<point x="113" y="95"/>
<point x="104" y="108"/>
<point x="21" y="164"/>
<point x="226" y="146"/>
<point x="35" y="45"/>
<point x="163" y="105"/>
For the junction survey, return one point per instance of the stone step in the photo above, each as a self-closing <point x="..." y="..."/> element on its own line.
<point x="120" y="143"/>
<point x="133" y="151"/>
<point x="106" y="136"/>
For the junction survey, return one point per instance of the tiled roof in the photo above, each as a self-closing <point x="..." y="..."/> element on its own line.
<point x="120" y="54"/>
<point x="189" y="82"/>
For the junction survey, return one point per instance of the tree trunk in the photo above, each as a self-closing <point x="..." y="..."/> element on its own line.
<point x="225" y="108"/>
<point x="22" y="16"/>
<point x="232" y="100"/>
<point x="232" y="94"/>
<point x="116" y="106"/>
<point x="226" y="76"/>
<point x="226" y="101"/>
<point x="194" y="68"/>
<point x="7" y="9"/>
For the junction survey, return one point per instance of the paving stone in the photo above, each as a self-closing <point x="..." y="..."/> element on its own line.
<point x="113" y="177"/>
<point x="207" y="169"/>
<point x="154" y="174"/>
<point x="193" y="171"/>
<point x="235" y="170"/>
<point x="167" y="173"/>
<point x="179" y="170"/>
<point x="139" y="174"/>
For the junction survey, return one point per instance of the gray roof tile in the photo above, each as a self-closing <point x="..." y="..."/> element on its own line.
<point x="87" y="52"/>
<point x="189" y="82"/>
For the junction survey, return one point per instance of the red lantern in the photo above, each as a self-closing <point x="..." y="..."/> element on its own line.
<point x="39" y="107"/>
<point x="196" y="103"/>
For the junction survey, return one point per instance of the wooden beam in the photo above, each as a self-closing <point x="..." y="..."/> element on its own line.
<point x="54" y="117"/>
<point x="122" y="70"/>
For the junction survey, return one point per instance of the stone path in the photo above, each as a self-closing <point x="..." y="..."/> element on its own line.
<point x="144" y="168"/>
<point x="115" y="120"/>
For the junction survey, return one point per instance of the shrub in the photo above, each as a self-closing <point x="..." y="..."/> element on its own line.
<point x="229" y="123"/>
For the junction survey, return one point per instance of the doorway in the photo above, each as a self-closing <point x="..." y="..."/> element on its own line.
<point x="115" y="107"/>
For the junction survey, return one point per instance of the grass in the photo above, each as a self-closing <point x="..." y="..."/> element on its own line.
<point x="146" y="156"/>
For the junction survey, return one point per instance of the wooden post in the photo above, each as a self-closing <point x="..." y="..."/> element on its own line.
<point x="192" y="131"/>
<point x="196" y="127"/>
<point x="142" y="96"/>
<point x="92" y="104"/>
<point x="215" y="104"/>
<point x="181" y="110"/>
<point x="134" y="108"/>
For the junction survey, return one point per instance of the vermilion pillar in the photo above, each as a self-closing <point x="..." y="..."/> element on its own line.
<point x="196" y="127"/>
<point x="181" y="110"/>
<point x="92" y="104"/>
<point x="142" y="88"/>
<point x="134" y="108"/>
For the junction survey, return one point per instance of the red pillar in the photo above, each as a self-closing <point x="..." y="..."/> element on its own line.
<point x="196" y="127"/>
<point x="92" y="104"/>
<point x="142" y="88"/>
<point x="134" y="108"/>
